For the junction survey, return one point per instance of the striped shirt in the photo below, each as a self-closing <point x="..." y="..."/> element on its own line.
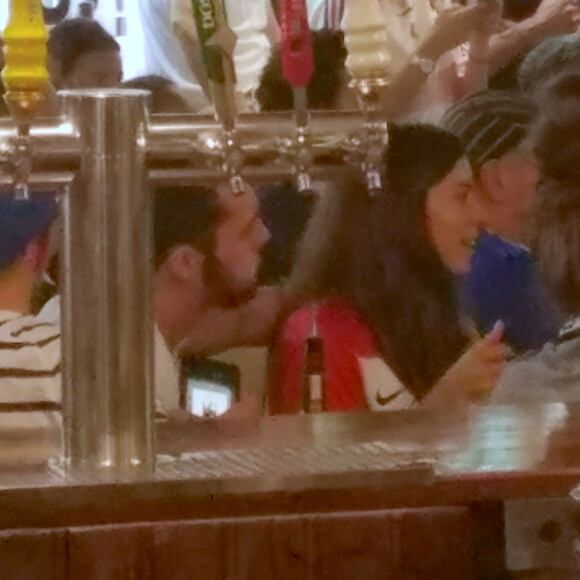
<point x="30" y="380"/>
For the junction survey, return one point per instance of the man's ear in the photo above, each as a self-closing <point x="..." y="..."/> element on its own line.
<point x="36" y="254"/>
<point x="185" y="263"/>
<point x="490" y="179"/>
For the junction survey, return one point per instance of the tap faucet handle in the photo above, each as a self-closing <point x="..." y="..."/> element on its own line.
<point x="297" y="54"/>
<point x="25" y="73"/>
<point x="365" y="36"/>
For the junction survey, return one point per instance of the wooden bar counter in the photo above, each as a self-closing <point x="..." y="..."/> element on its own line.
<point x="401" y="495"/>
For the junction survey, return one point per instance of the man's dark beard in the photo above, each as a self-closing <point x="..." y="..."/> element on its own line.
<point x="220" y="288"/>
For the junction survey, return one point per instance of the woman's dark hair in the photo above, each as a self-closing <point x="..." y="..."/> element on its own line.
<point x="555" y="223"/>
<point x="72" y="38"/>
<point x="376" y="252"/>
<point x="275" y="94"/>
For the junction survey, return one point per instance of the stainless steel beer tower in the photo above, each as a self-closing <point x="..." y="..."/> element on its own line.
<point x="108" y="357"/>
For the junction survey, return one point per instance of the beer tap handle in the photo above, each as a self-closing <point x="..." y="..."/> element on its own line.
<point x="368" y="63"/>
<point x="298" y="68"/>
<point x="25" y="78"/>
<point x="217" y="41"/>
<point x="25" y="73"/>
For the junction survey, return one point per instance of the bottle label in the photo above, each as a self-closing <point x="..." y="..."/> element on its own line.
<point x="206" y="20"/>
<point x="316" y="389"/>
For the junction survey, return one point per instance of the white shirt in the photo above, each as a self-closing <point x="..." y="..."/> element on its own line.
<point x="383" y="390"/>
<point x="167" y="376"/>
<point x="406" y="29"/>
<point x="163" y="53"/>
<point x="249" y="19"/>
<point x="30" y="380"/>
<point x="167" y="366"/>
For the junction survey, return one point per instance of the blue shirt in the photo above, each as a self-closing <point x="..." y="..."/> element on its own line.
<point x="503" y="284"/>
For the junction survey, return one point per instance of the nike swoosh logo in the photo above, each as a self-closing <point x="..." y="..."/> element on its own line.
<point x="382" y="401"/>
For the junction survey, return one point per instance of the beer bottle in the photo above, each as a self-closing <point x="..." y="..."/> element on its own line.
<point x="313" y="375"/>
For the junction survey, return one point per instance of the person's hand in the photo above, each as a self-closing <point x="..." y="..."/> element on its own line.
<point x="555" y="17"/>
<point x="455" y="24"/>
<point x="475" y="375"/>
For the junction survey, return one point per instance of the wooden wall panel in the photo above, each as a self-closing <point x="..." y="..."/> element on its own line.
<point x="186" y="550"/>
<point x="110" y="553"/>
<point x="33" y="555"/>
<point x="436" y="544"/>
<point x="405" y="544"/>
<point x="396" y="544"/>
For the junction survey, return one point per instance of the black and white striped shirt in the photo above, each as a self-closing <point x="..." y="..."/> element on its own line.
<point x="30" y="379"/>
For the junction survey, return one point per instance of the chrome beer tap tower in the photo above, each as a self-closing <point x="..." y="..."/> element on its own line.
<point x="104" y="152"/>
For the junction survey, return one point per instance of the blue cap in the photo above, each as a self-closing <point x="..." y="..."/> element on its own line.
<point x="22" y="220"/>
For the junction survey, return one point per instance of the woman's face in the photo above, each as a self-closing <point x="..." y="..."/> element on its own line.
<point x="452" y="217"/>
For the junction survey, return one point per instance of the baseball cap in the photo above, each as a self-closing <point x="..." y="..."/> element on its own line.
<point x="22" y="220"/>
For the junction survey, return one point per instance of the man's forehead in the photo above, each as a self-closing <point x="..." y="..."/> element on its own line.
<point x="231" y="203"/>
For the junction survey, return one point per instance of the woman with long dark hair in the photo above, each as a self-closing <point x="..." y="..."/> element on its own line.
<point x="375" y="279"/>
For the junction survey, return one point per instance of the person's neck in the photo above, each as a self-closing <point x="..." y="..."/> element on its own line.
<point x="175" y="314"/>
<point x="15" y="294"/>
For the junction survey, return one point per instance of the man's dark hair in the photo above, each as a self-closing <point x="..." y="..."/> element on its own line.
<point x="275" y="94"/>
<point x="165" y="97"/>
<point x="72" y="38"/>
<point x="184" y="214"/>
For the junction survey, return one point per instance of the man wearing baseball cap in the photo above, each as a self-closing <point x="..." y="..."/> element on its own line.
<point x="30" y="382"/>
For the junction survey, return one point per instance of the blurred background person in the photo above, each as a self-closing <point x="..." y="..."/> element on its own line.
<point x="553" y="373"/>
<point x="207" y="245"/>
<point x="166" y="96"/>
<point x="82" y="55"/>
<point x="256" y="29"/>
<point x="502" y="283"/>
<point x="30" y="383"/>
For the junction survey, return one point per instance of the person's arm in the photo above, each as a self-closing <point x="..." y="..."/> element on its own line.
<point x="473" y="377"/>
<point x="249" y="325"/>
<point x="453" y="27"/>
<point x="552" y="18"/>
<point x="273" y="29"/>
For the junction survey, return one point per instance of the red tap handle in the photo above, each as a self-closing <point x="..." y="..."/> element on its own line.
<point x="297" y="56"/>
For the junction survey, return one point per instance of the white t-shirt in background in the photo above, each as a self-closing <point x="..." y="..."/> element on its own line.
<point x="167" y="365"/>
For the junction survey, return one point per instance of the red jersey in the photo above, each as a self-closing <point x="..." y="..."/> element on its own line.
<point x="346" y="338"/>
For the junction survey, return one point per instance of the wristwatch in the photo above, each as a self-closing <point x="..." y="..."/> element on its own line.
<point x="427" y="65"/>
